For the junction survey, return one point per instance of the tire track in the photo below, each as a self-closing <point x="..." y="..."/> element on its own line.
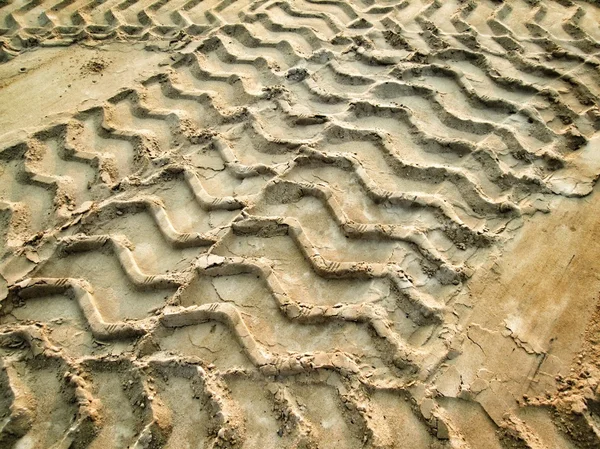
<point x="305" y="191"/>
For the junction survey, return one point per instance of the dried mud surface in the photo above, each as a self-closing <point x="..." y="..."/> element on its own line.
<point x="299" y="224"/>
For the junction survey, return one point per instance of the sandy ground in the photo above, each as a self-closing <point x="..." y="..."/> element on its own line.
<point x="299" y="224"/>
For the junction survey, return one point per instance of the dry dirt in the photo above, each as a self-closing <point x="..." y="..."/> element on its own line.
<point x="299" y="224"/>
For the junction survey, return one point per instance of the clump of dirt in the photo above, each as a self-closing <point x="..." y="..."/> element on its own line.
<point x="95" y="65"/>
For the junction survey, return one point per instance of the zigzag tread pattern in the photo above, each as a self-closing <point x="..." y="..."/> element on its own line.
<point x="263" y="245"/>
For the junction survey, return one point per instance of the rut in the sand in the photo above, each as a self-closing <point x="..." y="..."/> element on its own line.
<point x="261" y="246"/>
